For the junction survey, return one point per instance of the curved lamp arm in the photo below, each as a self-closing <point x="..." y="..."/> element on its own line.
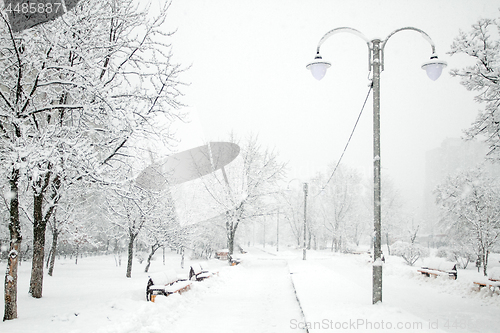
<point x="342" y="29"/>
<point x="318" y="67"/>
<point x="423" y="33"/>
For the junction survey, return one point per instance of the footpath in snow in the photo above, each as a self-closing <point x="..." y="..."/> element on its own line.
<point x="257" y="297"/>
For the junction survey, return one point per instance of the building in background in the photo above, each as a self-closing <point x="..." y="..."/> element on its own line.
<point x="452" y="156"/>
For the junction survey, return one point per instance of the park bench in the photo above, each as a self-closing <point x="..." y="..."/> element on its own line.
<point x="493" y="279"/>
<point x="165" y="283"/>
<point x="234" y="261"/>
<point x="222" y="254"/>
<point x="198" y="273"/>
<point x="439" y="268"/>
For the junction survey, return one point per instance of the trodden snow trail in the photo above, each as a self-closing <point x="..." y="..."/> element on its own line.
<point x="258" y="296"/>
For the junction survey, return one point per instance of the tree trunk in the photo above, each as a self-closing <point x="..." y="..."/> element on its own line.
<point x="182" y="258"/>
<point x="77" y="253"/>
<point x="39" y="227"/>
<point x="151" y="254"/>
<point x="232" y="222"/>
<point x="130" y="253"/>
<point x="53" y="251"/>
<point x="230" y="242"/>
<point x="10" y="288"/>
<point x="485" y="262"/>
<point x="49" y="256"/>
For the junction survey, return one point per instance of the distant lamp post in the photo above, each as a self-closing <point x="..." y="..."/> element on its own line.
<point x="433" y="67"/>
<point x="305" y="222"/>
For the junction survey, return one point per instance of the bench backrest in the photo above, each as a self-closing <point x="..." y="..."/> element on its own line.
<point x="447" y="266"/>
<point x="441" y="265"/>
<point x="196" y="268"/>
<point x="164" y="278"/>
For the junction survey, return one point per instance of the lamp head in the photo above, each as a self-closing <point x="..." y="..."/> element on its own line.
<point x="434" y="67"/>
<point x="318" y="67"/>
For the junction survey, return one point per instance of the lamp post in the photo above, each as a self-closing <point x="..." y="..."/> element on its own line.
<point x="278" y="230"/>
<point x="318" y="68"/>
<point x="305" y="188"/>
<point x="305" y="222"/>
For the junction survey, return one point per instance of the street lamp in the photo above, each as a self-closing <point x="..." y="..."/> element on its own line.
<point x="305" y="221"/>
<point x="433" y="67"/>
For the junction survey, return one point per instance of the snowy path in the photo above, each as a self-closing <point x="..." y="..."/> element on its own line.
<point x="258" y="297"/>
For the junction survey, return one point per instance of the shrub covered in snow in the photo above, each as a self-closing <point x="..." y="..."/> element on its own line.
<point x="458" y="253"/>
<point x="410" y="252"/>
<point x="443" y="252"/>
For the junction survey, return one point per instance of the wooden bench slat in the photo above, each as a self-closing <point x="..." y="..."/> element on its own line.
<point x="165" y="283"/>
<point x="199" y="273"/>
<point x="439" y="268"/>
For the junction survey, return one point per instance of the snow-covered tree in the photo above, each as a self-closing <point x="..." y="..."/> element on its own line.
<point x="132" y="210"/>
<point x="482" y="44"/>
<point x="469" y="200"/>
<point x="207" y="237"/>
<point x="75" y="94"/>
<point x="338" y="201"/>
<point x="163" y="228"/>
<point x="292" y="209"/>
<point x="242" y="192"/>
<point x="334" y="215"/>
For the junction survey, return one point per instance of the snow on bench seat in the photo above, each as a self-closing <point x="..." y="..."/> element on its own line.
<point x="493" y="280"/>
<point x="199" y="273"/>
<point x="165" y="283"/>
<point x="439" y="267"/>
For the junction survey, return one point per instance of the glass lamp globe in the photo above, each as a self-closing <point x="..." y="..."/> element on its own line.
<point x="318" y="67"/>
<point x="434" y="67"/>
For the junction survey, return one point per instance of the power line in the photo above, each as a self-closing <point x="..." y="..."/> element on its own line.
<point x="348" y="141"/>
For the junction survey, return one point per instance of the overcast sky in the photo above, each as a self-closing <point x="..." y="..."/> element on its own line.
<point x="248" y="75"/>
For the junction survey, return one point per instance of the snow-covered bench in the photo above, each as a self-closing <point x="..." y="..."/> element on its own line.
<point x="437" y="267"/>
<point x="198" y="273"/>
<point x="165" y="283"/>
<point x="222" y="254"/>
<point x="493" y="280"/>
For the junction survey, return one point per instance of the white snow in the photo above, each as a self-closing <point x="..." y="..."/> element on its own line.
<point x="256" y="296"/>
<point x="13" y="253"/>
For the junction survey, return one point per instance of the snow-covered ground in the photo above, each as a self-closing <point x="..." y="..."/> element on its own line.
<point x="257" y="296"/>
<point x="340" y="298"/>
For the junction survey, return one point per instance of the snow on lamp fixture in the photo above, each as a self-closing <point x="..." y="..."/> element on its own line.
<point x="434" y="67"/>
<point x="318" y="67"/>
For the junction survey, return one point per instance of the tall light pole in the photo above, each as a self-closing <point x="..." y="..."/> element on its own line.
<point x="305" y="222"/>
<point x="376" y="47"/>
<point x="305" y="188"/>
<point x="278" y="230"/>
